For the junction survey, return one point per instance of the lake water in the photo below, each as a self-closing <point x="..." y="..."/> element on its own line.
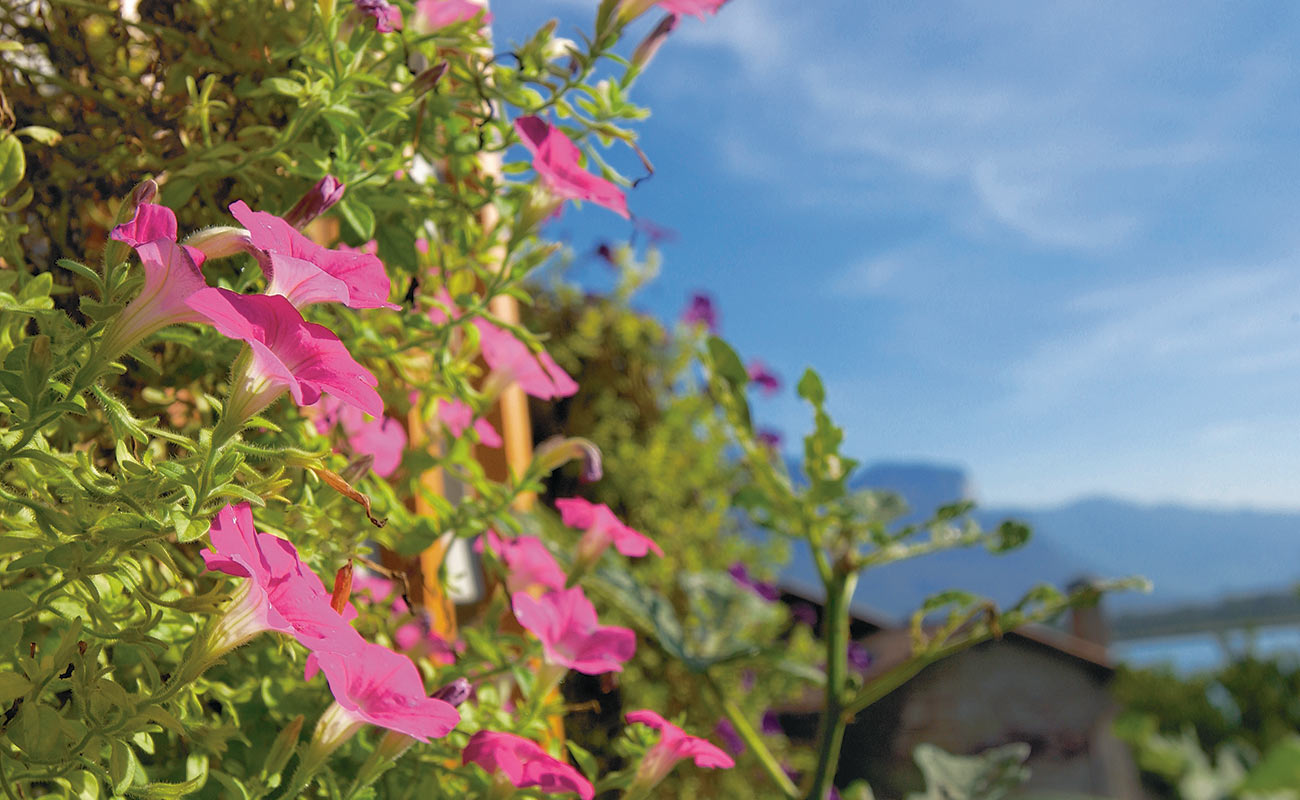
<point x="1203" y="651"/>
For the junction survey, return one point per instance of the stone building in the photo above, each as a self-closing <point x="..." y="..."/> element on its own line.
<point x="1038" y="685"/>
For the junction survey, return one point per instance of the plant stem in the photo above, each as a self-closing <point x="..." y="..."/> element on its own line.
<point x="755" y="742"/>
<point x="839" y="594"/>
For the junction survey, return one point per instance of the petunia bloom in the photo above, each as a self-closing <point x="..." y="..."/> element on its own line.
<point x="305" y="272"/>
<point x="441" y="13"/>
<point x="700" y="311"/>
<point x="565" y="622"/>
<point x="457" y="416"/>
<point x="388" y="17"/>
<point x="171" y="275"/>
<point x="511" y="360"/>
<point x="673" y="746"/>
<point x="530" y="567"/>
<point x="377" y="686"/>
<point x="280" y="594"/>
<point x="287" y="354"/>
<point x="524" y="763"/>
<point x="763" y="377"/>
<point x="555" y="158"/>
<point x="601" y="528"/>
<point x="381" y="438"/>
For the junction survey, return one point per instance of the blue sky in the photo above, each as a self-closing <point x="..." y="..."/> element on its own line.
<point x="1052" y="242"/>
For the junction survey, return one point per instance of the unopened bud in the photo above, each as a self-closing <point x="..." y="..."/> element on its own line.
<point x="220" y="241"/>
<point x="429" y="78"/>
<point x="629" y="10"/>
<point x="650" y="44"/>
<point x="315" y="202"/>
<point x="454" y="693"/>
<point x="557" y="451"/>
<point x="282" y="748"/>
<point x="145" y="192"/>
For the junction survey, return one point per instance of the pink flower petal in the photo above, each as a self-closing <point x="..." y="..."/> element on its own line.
<point x="556" y="160"/>
<point x="602" y="528"/>
<point x="537" y="374"/>
<point x="287" y="257"/>
<point x="378" y="686"/>
<point x="289" y="352"/>
<point x="441" y="13"/>
<point x="524" y="763"/>
<point x="565" y="622"/>
<point x="529" y="563"/>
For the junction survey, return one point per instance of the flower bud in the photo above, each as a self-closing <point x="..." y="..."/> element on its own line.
<point x="557" y="451"/>
<point x="219" y="241"/>
<point x="429" y="78"/>
<point x="315" y="202"/>
<point x="144" y="193"/>
<point x="283" y="746"/>
<point x="454" y="693"/>
<point x="650" y="44"/>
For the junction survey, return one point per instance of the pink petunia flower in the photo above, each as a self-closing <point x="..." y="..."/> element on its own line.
<point x="305" y="272"/>
<point x="763" y="377"/>
<point x="441" y="13"/>
<point x="171" y="277"/>
<point x="700" y="311"/>
<point x="377" y="686"/>
<point x="601" y="528"/>
<point x="523" y="762"/>
<point x="457" y="416"/>
<point x="530" y="566"/>
<point x="537" y="374"/>
<point x="416" y="635"/>
<point x="288" y="353"/>
<point x="673" y="746"/>
<point x="280" y="594"/>
<point x="565" y="622"/>
<point x="381" y="438"/>
<point x="555" y="158"/>
<point x="696" y="8"/>
<point x="388" y="17"/>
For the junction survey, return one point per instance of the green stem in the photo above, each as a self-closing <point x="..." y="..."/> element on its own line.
<point x="896" y="677"/>
<point x="839" y="595"/>
<point x="754" y="741"/>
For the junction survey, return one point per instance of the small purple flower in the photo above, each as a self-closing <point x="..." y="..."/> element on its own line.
<point x="730" y="739"/>
<point x="701" y="312"/>
<point x="763" y="378"/>
<point x="388" y="17"/>
<point x="804" y="613"/>
<point x="763" y="589"/>
<point x="769" y="438"/>
<point x="859" y="657"/>
<point x="771" y="724"/>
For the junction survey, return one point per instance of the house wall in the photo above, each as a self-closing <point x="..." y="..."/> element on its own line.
<point x="1000" y="692"/>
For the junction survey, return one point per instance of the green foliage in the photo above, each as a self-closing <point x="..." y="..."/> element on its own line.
<point x="987" y="776"/>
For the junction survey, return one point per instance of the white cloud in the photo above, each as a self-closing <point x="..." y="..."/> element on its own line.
<point x="868" y="277"/>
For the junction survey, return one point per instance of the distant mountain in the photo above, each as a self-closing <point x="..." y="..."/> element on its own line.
<point x="1190" y="554"/>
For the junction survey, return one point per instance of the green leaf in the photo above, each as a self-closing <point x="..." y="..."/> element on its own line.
<point x="1279" y="768"/>
<point x="990" y="775"/>
<point x="13" y="164"/>
<point x="13" y="603"/>
<point x="726" y="363"/>
<point x="358" y="216"/>
<point x="12" y="685"/>
<point x="39" y="133"/>
<point x="810" y="388"/>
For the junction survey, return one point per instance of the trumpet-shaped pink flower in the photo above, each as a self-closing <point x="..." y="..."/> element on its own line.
<point x="530" y="566"/>
<point x="281" y="594"/>
<point x="565" y="622"/>
<point x="523" y="762"/>
<point x="151" y="223"/>
<point x="537" y="374"/>
<point x="555" y="158"/>
<point x="381" y="438"/>
<point x="696" y="8"/>
<point x="374" y="685"/>
<point x="441" y="13"/>
<point x="601" y="528"/>
<point x="305" y="272"/>
<point x="171" y="278"/>
<point x="388" y="17"/>
<point x="457" y="416"/>
<point x="673" y="746"/>
<point x="288" y="353"/>
<point x="763" y="377"/>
